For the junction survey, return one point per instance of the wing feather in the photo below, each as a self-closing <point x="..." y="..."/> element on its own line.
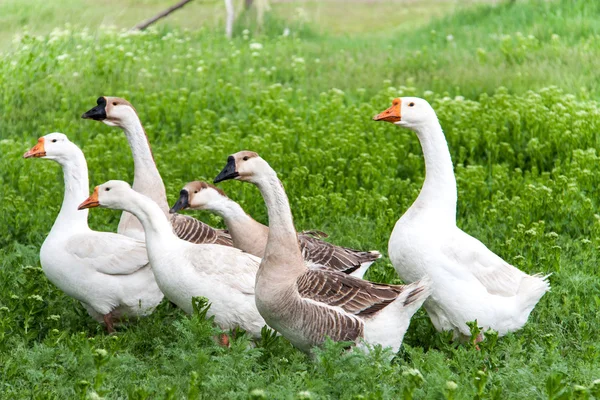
<point x="195" y="231"/>
<point x="109" y="253"/>
<point x="353" y="295"/>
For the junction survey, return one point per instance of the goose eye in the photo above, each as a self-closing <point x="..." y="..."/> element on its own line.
<point x="54" y="140"/>
<point x="114" y="103"/>
<point x="246" y="158"/>
<point x="107" y="190"/>
<point x="411" y="105"/>
<point x="195" y="191"/>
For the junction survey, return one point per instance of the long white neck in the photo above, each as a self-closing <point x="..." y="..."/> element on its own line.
<point x="282" y="259"/>
<point x="75" y="173"/>
<point x="156" y="225"/>
<point x="146" y="178"/>
<point x="439" y="189"/>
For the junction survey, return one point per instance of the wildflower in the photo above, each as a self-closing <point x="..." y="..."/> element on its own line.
<point x="255" y="54"/>
<point x="75" y="74"/>
<point x="101" y="352"/>
<point x="286" y="32"/>
<point x="451" y="385"/>
<point x="199" y="69"/>
<point x="305" y="394"/>
<point x="450" y="38"/>
<point x="256" y="46"/>
<point x="245" y="32"/>
<point x="62" y="57"/>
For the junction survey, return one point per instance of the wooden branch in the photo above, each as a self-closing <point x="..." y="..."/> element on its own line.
<point x="143" y="25"/>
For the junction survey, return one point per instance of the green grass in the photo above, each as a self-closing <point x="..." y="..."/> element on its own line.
<point x="525" y="157"/>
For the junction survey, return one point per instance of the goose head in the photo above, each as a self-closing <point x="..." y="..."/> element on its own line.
<point x="409" y="112"/>
<point x="245" y="166"/>
<point x="113" y="111"/>
<point x="198" y="195"/>
<point x="110" y="195"/>
<point x="54" y="146"/>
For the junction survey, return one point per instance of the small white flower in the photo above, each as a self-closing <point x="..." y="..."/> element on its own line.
<point x="75" y="74"/>
<point x="450" y="37"/>
<point x="245" y="32"/>
<point x="451" y="385"/>
<point x="62" y="57"/>
<point x="199" y="69"/>
<point x="286" y="32"/>
<point x="256" y="46"/>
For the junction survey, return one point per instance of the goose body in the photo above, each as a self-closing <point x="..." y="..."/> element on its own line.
<point x="251" y="236"/>
<point x="469" y="281"/>
<point x="114" y="111"/>
<point x="183" y="270"/>
<point x="107" y="272"/>
<point x="305" y="305"/>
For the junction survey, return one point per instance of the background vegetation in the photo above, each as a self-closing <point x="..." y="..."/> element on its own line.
<point x="515" y="87"/>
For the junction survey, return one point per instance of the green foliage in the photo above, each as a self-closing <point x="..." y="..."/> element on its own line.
<point x="524" y="154"/>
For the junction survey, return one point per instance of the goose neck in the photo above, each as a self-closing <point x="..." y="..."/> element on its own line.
<point x="156" y="225"/>
<point x="439" y="188"/>
<point x="146" y="178"/>
<point x="282" y="253"/>
<point x="75" y="175"/>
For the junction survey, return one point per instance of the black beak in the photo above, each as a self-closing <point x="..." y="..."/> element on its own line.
<point x="182" y="203"/>
<point x="228" y="172"/>
<point x="97" y="113"/>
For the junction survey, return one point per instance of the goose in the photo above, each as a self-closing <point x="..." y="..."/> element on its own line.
<point x="470" y="282"/>
<point x="224" y="275"/>
<point x="114" y="111"/>
<point x="307" y="305"/>
<point x="107" y="272"/>
<point x="251" y="236"/>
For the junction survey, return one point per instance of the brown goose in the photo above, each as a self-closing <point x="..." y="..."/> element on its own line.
<point x="306" y="305"/>
<point x="114" y="111"/>
<point x="251" y="236"/>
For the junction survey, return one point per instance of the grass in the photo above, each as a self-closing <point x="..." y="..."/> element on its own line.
<point x="523" y="138"/>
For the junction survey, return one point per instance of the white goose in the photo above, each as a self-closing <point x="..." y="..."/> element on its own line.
<point x="223" y="274"/>
<point x="107" y="272"/>
<point x="251" y="236"/>
<point x="307" y="305"/>
<point x="469" y="281"/>
<point x="114" y="111"/>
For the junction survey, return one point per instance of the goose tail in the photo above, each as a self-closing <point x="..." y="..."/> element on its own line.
<point x="531" y="290"/>
<point x="389" y="326"/>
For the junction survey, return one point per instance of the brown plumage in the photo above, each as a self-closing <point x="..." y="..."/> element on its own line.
<point x="335" y="258"/>
<point x="195" y="231"/>
<point x="355" y="296"/>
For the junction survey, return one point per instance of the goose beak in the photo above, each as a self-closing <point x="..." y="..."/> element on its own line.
<point x="97" y="113"/>
<point x="392" y="114"/>
<point x="182" y="203"/>
<point x="36" y="151"/>
<point x="91" y="201"/>
<point x="228" y="172"/>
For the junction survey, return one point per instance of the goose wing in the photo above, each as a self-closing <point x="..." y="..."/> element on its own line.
<point x="230" y="266"/>
<point x="109" y="253"/>
<point x="495" y="274"/>
<point x="195" y="231"/>
<point x="334" y="257"/>
<point x="353" y="295"/>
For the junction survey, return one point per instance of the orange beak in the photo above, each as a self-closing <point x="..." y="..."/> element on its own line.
<point x="37" y="150"/>
<point x="392" y="114"/>
<point x="91" y="201"/>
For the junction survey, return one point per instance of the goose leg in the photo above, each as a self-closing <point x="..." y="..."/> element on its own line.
<point x="224" y="339"/>
<point x="108" y="321"/>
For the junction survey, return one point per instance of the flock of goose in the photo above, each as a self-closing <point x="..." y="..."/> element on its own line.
<point x="296" y="283"/>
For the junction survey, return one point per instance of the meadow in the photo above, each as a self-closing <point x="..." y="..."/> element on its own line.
<point x="516" y="89"/>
